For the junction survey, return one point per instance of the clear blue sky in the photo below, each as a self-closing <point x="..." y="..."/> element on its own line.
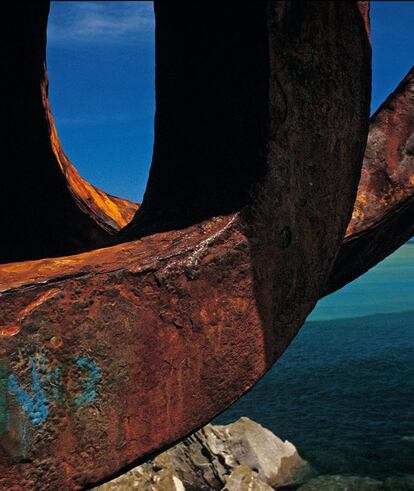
<point x="100" y="59"/>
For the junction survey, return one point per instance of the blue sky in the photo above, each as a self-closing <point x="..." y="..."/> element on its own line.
<point x="100" y="60"/>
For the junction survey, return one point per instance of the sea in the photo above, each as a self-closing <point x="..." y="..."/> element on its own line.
<point x="343" y="392"/>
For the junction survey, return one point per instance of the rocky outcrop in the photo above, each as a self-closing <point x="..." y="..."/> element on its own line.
<point x="209" y="456"/>
<point x="244" y="479"/>
<point x="242" y="456"/>
<point x="159" y="475"/>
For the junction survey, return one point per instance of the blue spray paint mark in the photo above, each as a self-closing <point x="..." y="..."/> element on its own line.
<point x="45" y="382"/>
<point x="94" y="378"/>
<point x="4" y="413"/>
<point x="37" y="407"/>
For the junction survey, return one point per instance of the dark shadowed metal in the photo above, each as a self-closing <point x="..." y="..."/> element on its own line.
<point x="112" y="355"/>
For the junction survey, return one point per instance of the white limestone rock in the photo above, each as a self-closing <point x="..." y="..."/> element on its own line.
<point x="244" y="479"/>
<point x="209" y="456"/>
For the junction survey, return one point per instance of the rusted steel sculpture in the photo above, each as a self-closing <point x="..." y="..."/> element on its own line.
<point x="109" y="356"/>
<point x="383" y="216"/>
<point x="47" y="208"/>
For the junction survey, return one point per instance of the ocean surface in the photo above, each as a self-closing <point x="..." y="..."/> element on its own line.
<point x="343" y="392"/>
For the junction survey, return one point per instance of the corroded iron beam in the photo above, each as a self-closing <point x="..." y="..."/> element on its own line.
<point x="383" y="216"/>
<point x="47" y="209"/>
<point x="109" y="356"/>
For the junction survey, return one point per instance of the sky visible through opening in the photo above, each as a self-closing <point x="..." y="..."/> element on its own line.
<point x="100" y="58"/>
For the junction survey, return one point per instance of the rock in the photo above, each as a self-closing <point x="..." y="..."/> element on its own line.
<point x="236" y="457"/>
<point x="211" y="455"/>
<point x="342" y="483"/>
<point x="244" y="479"/>
<point x="158" y="475"/>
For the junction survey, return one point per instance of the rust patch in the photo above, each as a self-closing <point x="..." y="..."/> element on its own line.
<point x="151" y="339"/>
<point x="383" y="215"/>
<point x="14" y="328"/>
<point x="56" y="342"/>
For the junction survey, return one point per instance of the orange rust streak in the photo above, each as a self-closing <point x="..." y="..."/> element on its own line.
<point x="110" y="212"/>
<point x="136" y="256"/>
<point x="387" y="177"/>
<point x="14" y="328"/>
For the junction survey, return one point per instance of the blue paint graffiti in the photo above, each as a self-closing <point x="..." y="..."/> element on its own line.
<point x="46" y="382"/>
<point x="37" y="407"/>
<point x="89" y="393"/>
<point x="4" y="414"/>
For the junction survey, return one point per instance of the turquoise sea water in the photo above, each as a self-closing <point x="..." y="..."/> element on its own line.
<point x="343" y="392"/>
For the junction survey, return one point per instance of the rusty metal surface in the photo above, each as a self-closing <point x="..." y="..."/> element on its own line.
<point x="111" y="355"/>
<point x="383" y="216"/>
<point x="42" y="197"/>
<point x="109" y="212"/>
